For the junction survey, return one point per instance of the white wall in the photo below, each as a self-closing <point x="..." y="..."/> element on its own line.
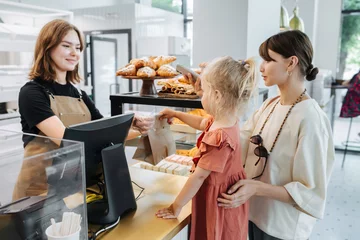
<point x="235" y="28"/>
<point x="328" y="34"/>
<point x="308" y="13"/>
<point x="322" y="20"/>
<point x="73" y="4"/>
<point x="154" y="22"/>
<point x="219" y="28"/>
<point x="90" y="19"/>
<point x="262" y="22"/>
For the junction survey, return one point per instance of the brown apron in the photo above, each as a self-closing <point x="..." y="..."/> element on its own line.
<point x="32" y="179"/>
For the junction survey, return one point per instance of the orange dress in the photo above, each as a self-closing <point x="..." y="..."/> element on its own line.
<point x="219" y="152"/>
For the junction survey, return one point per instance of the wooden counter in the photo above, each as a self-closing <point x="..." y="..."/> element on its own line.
<point x="160" y="191"/>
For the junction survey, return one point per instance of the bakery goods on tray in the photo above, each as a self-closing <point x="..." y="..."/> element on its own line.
<point x="143" y="62"/>
<point x="129" y="70"/>
<point x="146" y="72"/>
<point x="167" y="71"/>
<point x="152" y="62"/>
<point x="162" y="60"/>
<point x="174" y="86"/>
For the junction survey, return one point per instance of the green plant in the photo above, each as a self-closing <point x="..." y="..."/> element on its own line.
<point x="350" y="34"/>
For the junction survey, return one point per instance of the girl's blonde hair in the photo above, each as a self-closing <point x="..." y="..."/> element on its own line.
<point x="235" y="80"/>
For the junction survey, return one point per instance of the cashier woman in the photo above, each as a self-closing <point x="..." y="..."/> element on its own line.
<point x="50" y="102"/>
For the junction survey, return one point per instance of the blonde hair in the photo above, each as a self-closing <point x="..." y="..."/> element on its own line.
<point x="49" y="38"/>
<point x="235" y="80"/>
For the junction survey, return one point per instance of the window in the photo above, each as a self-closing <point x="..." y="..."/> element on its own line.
<point x="349" y="57"/>
<point x="168" y="5"/>
<point x="188" y="18"/>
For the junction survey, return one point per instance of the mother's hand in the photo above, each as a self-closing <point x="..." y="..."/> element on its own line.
<point x="239" y="193"/>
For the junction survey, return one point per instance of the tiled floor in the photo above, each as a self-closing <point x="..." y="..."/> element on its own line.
<point x="342" y="213"/>
<point x="341" y="128"/>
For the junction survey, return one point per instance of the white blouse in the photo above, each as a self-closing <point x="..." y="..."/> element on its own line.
<point x="301" y="161"/>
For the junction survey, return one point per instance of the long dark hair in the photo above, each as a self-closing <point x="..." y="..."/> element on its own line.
<point x="291" y="43"/>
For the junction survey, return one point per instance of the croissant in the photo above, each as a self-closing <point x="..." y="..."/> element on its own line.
<point x="162" y="60"/>
<point x="138" y="63"/>
<point x="182" y="79"/>
<point x="167" y="71"/>
<point x="146" y="72"/>
<point x="148" y="62"/>
<point x="128" y="70"/>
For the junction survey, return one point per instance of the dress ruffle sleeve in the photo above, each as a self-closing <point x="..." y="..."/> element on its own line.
<point x="214" y="149"/>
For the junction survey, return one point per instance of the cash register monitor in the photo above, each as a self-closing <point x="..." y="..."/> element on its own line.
<point x="105" y="155"/>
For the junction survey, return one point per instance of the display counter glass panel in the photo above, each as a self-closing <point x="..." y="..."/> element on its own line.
<point x="38" y="183"/>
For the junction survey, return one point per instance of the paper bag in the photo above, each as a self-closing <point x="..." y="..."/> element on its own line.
<point x="157" y="145"/>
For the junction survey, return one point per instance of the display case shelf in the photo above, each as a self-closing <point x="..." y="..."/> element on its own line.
<point x="8" y="96"/>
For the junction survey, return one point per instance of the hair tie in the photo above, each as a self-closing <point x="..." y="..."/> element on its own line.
<point x="243" y="62"/>
<point x="310" y="67"/>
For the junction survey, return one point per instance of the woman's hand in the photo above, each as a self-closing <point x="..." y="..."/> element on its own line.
<point x="346" y="83"/>
<point x="239" y="193"/>
<point x="167" y="113"/>
<point x="169" y="213"/>
<point x="143" y="124"/>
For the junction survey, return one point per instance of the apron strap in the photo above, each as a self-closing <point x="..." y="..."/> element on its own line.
<point x="45" y="89"/>
<point x="80" y="93"/>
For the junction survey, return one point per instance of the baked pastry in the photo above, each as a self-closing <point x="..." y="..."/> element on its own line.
<point x="148" y="62"/>
<point x="167" y="71"/>
<point x="129" y="70"/>
<point x="162" y="60"/>
<point x="182" y="79"/>
<point x="138" y="63"/>
<point x="146" y="72"/>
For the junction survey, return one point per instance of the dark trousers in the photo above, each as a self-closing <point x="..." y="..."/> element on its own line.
<point x="256" y="233"/>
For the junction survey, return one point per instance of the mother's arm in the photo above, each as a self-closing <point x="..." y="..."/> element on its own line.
<point x="310" y="174"/>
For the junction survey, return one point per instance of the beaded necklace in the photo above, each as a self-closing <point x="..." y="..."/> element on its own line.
<point x="287" y="115"/>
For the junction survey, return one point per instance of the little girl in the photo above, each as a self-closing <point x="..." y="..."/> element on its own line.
<point x="227" y="86"/>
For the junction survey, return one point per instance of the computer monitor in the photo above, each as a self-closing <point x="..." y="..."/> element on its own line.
<point x="104" y="150"/>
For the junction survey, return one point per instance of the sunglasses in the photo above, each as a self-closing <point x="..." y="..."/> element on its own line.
<point x="260" y="151"/>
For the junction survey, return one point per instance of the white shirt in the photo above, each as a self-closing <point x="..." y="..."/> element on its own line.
<point x="301" y="161"/>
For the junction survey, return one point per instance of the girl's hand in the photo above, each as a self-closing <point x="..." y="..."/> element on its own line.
<point x="167" y="113"/>
<point x="196" y="85"/>
<point x="203" y="64"/>
<point x="239" y="193"/>
<point x="169" y="213"/>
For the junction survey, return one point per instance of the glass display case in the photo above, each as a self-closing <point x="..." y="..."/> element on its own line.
<point x="38" y="183"/>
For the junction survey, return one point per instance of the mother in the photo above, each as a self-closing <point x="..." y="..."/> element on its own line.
<point x="287" y="147"/>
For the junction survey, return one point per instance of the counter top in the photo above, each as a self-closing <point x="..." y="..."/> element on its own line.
<point x="160" y="191"/>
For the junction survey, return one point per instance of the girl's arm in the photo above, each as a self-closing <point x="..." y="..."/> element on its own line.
<point x="193" y="121"/>
<point x="191" y="187"/>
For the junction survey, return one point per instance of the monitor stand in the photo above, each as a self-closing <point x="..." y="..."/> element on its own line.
<point x="119" y="195"/>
